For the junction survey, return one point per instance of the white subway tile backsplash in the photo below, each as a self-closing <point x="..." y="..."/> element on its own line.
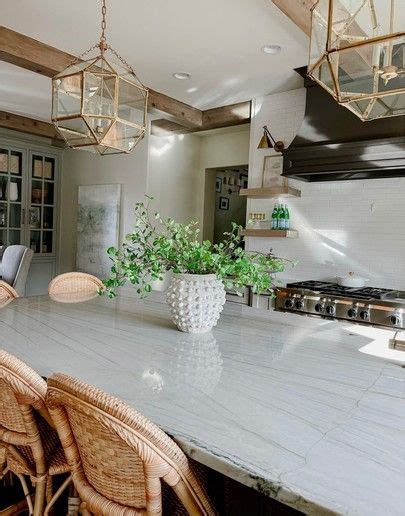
<point x="343" y="226"/>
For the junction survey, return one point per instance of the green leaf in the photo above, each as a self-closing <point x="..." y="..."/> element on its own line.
<point x="149" y="251"/>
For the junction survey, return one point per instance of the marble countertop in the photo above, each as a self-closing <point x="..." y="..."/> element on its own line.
<point x="302" y="409"/>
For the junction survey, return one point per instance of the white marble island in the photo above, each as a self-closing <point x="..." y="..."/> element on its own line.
<point x="294" y="407"/>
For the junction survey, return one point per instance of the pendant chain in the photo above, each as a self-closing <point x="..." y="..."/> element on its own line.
<point x="103" y="46"/>
<point x="103" y="26"/>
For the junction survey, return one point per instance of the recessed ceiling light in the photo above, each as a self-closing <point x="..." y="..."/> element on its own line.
<point x="181" y="76"/>
<point x="271" y="49"/>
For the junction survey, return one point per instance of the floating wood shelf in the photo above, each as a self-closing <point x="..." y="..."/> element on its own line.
<point x="272" y="233"/>
<point x="270" y="191"/>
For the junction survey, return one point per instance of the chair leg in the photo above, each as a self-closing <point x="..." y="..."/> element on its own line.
<point x="55" y="497"/>
<point x="40" y="494"/>
<point x="15" y="509"/>
<point x="49" y="489"/>
<point x="186" y="498"/>
<point x="26" y="494"/>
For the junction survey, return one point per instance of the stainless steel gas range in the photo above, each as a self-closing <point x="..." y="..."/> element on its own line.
<point x="365" y="305"/>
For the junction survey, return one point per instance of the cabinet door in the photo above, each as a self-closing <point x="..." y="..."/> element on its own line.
<point x="41" y="220"/>
<point x="12" y="199"/>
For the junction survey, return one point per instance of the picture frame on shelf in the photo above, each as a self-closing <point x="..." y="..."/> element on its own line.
<point x="218" y="185"/>
<point x="224" y="203"/>
<point x="272" y="170"/>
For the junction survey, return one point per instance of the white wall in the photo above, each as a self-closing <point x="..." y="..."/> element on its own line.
<point x="85" y="168"/>
<point x="343" y="226"/>
<point x="173" y="178"/>
<point x="170" y="169"/>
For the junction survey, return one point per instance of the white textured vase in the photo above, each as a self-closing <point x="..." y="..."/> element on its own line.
<point x="196" y="301"/>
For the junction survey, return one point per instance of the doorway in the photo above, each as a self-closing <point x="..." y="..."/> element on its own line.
<point x="222" y="202"/>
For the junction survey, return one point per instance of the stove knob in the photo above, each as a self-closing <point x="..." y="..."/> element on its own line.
<point x="352" y="312"/>
<point x="319" y="307"/>
<point x="299" y="305"/>
<point x="365" y="315"/>
<point x="289" y="303"/>
<point x="330" y="310"/>
<point x="395" y="320"/>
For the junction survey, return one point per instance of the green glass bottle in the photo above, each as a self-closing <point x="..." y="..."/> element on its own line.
<point x="281" y="218"/>
<point x="274" y="217"/>
<point x="287" y="217"/>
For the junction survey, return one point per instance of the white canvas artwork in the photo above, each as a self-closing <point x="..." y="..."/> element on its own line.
<point x="98" y="221"/>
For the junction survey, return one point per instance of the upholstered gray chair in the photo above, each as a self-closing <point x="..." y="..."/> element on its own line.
<point x="15" y="265"/>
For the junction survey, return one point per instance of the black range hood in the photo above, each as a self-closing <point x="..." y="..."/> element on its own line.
<point x="332" y="144"/>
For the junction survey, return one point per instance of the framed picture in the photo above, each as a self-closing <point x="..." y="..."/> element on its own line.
<point x="35" y="217"/>
<point x="37" y="167"/>
<point x="3" y="161"/>
<point x="48" y="168"/>
<point x="218" y="185"/>
<point x="15" y="163"/>
<point x="272" y="170"/>
<point x="98" y="224"/>
<point x="224" y="203"/>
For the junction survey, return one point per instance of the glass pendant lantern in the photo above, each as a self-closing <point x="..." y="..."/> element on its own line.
<point x="358" y="54"/>
<point x="98" y="104"/>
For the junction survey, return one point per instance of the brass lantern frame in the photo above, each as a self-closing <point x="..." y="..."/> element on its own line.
<point x="347" y="98"/>
<point x="98" y="66"/>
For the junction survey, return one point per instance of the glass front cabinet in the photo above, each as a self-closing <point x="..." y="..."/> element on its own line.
<point x="29" y="179"/>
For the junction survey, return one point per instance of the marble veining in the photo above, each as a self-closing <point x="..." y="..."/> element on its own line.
<point x="308" y="411"/>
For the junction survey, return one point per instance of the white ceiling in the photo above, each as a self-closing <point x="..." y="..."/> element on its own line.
<point x="217" y="41"/>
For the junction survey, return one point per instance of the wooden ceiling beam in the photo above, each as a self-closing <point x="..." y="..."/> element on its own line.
<point x="33" y="55"/>
<point x="38" y="57"/>
<point x="28" y="125"/>
<point x="299" y="12"/>
<point x="224" y="116"/>
<point x="28" y="53"/>
<point x="174" y="110"/>
<point x="227" y="116"/>
<point x="164" y="127"/>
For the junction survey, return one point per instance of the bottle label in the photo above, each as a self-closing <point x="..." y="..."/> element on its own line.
<point x="281" y="224"/>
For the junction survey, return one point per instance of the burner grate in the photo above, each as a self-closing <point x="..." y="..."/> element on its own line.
<point x="338" y="290"/>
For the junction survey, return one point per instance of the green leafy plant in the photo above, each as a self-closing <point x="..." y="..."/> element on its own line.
<point x="157" y="245"/>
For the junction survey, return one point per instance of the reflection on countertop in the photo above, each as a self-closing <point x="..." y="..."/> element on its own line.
<point x="295" y="407"/>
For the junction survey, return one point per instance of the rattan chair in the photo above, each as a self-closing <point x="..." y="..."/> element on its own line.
<point x="117" y="457"/>
<point x="7" y="292"/>
<point x="75" y="283"/>
<point x="32" y="446"/>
